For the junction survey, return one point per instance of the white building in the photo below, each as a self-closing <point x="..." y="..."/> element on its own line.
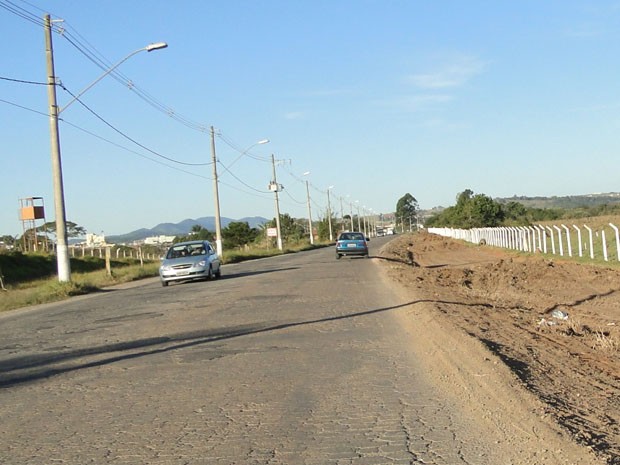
<point x="95" y="240"/>
<point x="159" y="240"/>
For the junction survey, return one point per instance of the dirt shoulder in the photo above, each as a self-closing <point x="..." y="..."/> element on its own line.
<point x="554" y="324"/>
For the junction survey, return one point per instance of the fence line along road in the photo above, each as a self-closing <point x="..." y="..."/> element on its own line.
<point x="125" y="252"/>
<point x="563" y="240"/>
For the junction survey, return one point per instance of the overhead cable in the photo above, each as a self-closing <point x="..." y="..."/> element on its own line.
<point x="128" y="137"/>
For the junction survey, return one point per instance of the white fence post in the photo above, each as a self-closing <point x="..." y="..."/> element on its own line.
<point x="559" y="240"/>
<point x="535" y="238"/>
<point x="552" y="239"/>
<point x="615" y="228"/>
<point x="579" y="240"/>
<point x="591" y="241"/>
<point x="544" y="237"/>
<point x="568" y="244"/>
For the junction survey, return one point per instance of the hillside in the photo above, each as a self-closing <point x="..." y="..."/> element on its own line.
<point x="181" y="228"/>
<point x="567" y="202"/>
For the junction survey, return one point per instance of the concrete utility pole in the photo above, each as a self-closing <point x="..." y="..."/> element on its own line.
<point x="275" y="188"/>
<point x="62" y="248"/>
<point x="216" y="196"/>
<point x="329" y="215"/>
<point x="352" y="227"/>
<point x="309" y="214"/>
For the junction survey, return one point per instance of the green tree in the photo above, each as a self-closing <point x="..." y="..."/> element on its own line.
<point x="73" y="230"/>
<point x="239" y="233"/>
<point x="291" y="229"/>
<point x="484" y="212"/>
<point x="471" y="211"/>
<point x="406" y="209"/>
<point x="323" y="228"/>
<point x="7" y="240"/>
<point x="514" y="211"/>
<point x="197" y="233"/>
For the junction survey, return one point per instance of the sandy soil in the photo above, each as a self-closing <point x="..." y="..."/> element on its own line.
<point x="554" y="324"/>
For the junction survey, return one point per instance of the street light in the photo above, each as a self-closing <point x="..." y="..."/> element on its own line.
<point x="148" y="48"/>
<point x="216" y="194"/>
<point x="309" y="209"/>
<point x="62" y="249"/>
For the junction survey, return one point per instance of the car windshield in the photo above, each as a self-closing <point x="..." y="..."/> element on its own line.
<point x="186" y="250"/>
<point x="352" y="237"/>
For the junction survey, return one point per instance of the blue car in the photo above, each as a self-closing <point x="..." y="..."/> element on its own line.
<point x="352" y="243"/>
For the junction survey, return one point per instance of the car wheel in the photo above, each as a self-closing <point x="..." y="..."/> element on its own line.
<point x="218" y="273"/>
<point x="210" y="273"/>
<point x="338" y="256"/>
<point x="164" y="283"/>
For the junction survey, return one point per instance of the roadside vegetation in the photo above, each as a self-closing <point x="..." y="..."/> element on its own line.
<point x="30" y="278"/>
<point x="480" y="211"/>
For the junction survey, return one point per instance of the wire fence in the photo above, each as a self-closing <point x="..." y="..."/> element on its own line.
<point x="596" y="243"/>
<point x="117" y="252"/>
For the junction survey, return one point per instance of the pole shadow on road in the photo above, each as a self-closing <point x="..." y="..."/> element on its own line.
<point x="30" y="368"/>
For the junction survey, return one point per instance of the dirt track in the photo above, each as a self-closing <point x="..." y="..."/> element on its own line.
<point x="556" y="324"/>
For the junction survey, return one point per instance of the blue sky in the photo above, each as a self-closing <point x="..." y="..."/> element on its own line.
<point x="375" y="98"/>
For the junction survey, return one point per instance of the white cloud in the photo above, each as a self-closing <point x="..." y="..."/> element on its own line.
<point x="415" y="102"/>
<point x="454" y="74"/>
<point x="330" y="92"/>
<point x="294" y="115"/>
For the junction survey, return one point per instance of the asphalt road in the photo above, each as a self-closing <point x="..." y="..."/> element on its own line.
<point x="291" y="360"/>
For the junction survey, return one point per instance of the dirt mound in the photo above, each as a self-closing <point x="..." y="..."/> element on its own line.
<point x="555" y="323"/>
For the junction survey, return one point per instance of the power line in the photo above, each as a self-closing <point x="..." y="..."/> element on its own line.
<point x="21" y="81"/>
<point x="246" y="185"/>
<point x="23" y="107"/>
<point x="294" y="199"/>
<point x="128" y="137"/>
<point x="134" y="152"/>
<point x="21" y="12"/>
<point x="73" y="37"/>
<point x="76" y="40"/>
<point x="243" y="152"/>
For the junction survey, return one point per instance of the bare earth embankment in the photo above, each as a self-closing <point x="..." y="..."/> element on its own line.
<point x="554" y="323"/>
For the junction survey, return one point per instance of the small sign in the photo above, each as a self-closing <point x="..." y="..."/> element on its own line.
<point x="272" y="232"/>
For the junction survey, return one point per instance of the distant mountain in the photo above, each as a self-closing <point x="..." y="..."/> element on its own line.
<point x="181" y="228"/>
<point x="567" y="202"/>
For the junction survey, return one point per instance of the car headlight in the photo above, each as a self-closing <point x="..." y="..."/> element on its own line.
<point x="165" y="268"/>
<point x="202" y="263"/>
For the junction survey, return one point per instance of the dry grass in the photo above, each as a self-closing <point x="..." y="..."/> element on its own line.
<point x="50" y="290"/>
<point x="607" y="342"/>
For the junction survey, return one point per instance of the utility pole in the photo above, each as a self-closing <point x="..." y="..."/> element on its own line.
<point x="62" y="248"/>
<point x="216" y="195"/>
<point x="309" y="214"/>
<point x="352" y="227"/>
<point x="275" y="188"/>
<point x="329" y="216"/>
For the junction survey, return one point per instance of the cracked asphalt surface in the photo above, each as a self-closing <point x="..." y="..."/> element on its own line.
<point x="299" y="359"/>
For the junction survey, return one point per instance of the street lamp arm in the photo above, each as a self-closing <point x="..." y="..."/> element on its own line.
<point x="148" y="48"/>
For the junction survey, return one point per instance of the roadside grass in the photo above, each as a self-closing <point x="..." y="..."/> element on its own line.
<point x="606" y="342"/>
<point x="47" y="290"/>
<point x="253" y="253"/>
<point x="31" y="278"/>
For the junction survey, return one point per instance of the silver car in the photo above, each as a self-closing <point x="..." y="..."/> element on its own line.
<point x="190" y="260"/>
